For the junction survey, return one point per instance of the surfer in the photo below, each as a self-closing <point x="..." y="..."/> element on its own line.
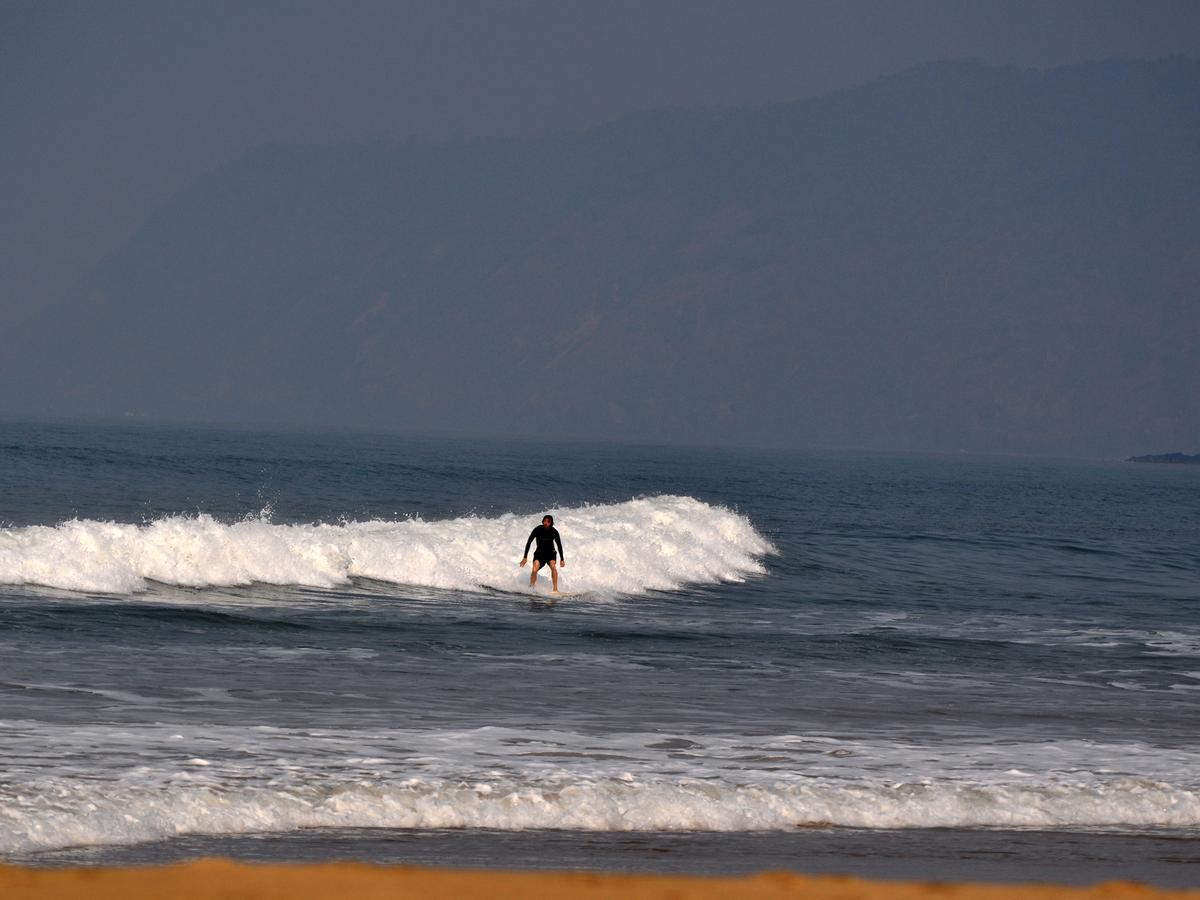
<point x="547" y="538"/>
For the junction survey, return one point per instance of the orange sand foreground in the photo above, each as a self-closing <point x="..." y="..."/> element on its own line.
<point x="237" y="881"/>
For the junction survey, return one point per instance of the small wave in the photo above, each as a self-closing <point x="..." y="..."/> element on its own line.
<point x="65" y="814"/>
<point x="653" y="543"/>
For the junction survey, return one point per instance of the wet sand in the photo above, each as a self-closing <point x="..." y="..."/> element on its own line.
<point x="1162" y="859"/>
<point x="212" y="879"/>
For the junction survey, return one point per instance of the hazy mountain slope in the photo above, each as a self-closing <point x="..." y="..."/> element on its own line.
<point x="957" y="257"/>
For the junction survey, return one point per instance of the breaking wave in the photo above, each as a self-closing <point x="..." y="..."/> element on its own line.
<point x="654" y="543"/>
<point x="85" y="813"/>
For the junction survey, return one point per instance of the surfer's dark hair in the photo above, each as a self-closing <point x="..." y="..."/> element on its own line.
<point x="548" y="516"/>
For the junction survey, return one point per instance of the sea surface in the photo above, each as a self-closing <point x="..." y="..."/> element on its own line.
<point x="308" y="646"/>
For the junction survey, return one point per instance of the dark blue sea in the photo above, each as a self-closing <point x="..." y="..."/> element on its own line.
<point x="303" y="646"/>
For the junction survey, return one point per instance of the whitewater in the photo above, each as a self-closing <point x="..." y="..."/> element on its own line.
<point x="268" y="779"/>
<point x="654" y="543"/>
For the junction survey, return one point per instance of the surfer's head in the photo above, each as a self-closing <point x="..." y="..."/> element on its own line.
<point x="548" y="521"/>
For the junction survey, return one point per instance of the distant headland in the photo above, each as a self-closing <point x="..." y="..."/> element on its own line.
<point x="1185" y="458"/>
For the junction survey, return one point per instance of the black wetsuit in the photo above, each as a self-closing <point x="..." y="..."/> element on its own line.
<point x="546" y="538"/>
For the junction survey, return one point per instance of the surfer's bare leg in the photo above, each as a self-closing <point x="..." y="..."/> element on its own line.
<point x="533" y="573"/>
<point x="554" y="574"/>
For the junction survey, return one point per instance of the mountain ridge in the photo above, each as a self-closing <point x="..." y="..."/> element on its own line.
<point x="956" y="257"/>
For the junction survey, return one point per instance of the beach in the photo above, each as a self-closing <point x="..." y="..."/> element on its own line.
<point x="571" y="450"/>
<point x="211" y="879"/>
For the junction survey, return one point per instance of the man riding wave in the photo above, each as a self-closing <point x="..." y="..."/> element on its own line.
<point x="545" y="553"/>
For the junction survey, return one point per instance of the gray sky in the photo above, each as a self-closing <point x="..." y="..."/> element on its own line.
<point x="108" y="108"/>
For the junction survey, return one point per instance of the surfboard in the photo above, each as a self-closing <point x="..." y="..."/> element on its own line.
<point x="538" y="595"/>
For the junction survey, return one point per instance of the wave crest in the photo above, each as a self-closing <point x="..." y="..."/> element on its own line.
<point x="653" y="543"/>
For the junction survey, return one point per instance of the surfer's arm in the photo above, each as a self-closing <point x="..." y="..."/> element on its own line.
<point x="562" y="556"/>
<point x="525" y="553"/>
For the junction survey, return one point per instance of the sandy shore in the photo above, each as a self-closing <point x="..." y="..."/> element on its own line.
<point x="213" y="879"/>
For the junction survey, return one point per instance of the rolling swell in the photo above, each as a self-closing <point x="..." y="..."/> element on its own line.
<point x="653" y="543"/>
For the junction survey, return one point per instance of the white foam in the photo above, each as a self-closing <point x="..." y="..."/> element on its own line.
<point x="128" y="784"/>
<point x="654" y="543"/>
<point x="64" y="813"/>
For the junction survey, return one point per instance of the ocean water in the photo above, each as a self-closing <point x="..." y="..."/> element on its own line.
<point x="298" y="646"/>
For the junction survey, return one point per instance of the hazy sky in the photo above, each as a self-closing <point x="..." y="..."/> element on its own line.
<point x="107" y="108"/>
